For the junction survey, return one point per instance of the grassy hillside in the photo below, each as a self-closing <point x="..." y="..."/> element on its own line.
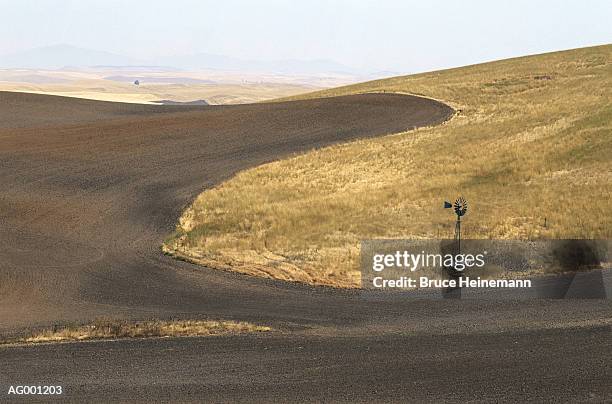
<point x="532" y="141"/>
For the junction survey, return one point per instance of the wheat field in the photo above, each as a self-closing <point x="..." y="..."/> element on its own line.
<point x="530" y="148"/>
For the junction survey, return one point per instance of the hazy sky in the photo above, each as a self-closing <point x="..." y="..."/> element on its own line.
<point x="403" y="36"/>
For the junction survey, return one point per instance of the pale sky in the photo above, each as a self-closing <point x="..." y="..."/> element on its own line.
<point x="403" y="36"/>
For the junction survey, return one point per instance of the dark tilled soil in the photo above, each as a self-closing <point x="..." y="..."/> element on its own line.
<point x="89" y="190"/>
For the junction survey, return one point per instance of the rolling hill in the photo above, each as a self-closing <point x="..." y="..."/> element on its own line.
<point x="529" y="147"/>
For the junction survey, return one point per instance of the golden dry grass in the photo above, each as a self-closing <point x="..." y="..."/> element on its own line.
<point x="115" y="329"/>
<point x="532" y="140"/>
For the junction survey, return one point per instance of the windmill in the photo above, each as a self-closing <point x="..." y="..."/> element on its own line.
<point x="460" y="207"/>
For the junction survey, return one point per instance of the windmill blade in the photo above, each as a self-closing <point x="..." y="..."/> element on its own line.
<point x="460" y="206"/>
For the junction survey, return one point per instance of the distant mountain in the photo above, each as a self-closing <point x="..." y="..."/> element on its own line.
<point x="62" y="56"/>
<point x="59" y="56"/>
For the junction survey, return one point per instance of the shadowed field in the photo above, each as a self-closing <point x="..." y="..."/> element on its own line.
<point x="525" y="367"/>
<point x="89" y="191"/>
